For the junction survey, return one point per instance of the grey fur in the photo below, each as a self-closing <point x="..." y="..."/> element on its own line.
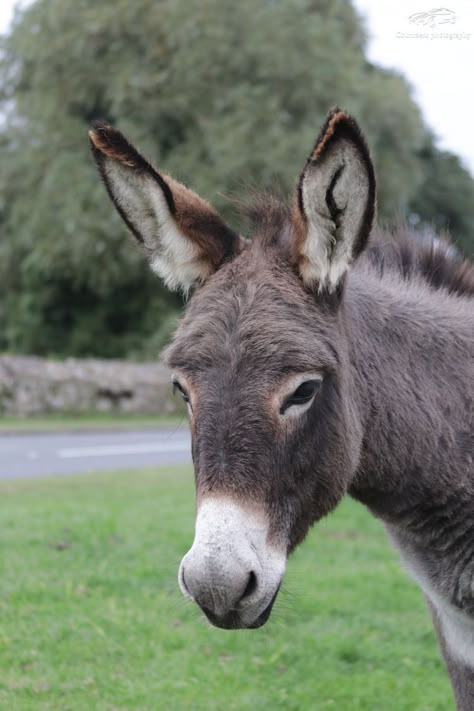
<point x="392" y="424"/>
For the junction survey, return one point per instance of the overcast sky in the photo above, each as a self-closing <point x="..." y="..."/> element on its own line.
<point x="439" y="69"/>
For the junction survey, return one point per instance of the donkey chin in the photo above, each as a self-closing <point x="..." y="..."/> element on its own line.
<point x="232" y="571"/>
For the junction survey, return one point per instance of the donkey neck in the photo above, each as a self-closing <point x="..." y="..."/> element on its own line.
<point x="411" y="352"/>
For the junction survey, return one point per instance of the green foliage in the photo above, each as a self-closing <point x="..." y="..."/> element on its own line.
<point x="445" y="199"/>
<point x="224" y="95"/>
<point x="92" y="618"/>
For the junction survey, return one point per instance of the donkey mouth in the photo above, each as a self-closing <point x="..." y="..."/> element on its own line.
<point x="233" y="620"/>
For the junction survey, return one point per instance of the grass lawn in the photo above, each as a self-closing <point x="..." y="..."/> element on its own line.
<point x="91" y="616"/>
<point x="86" y="421"/>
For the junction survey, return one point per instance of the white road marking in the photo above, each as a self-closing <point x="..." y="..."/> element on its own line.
<point x="114" y="449"/>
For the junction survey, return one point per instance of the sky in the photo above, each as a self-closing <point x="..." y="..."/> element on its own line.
<point x="440" y="69"/>
<point x="438" y="66"/>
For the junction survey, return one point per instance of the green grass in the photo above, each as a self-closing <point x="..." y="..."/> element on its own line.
<point x="91" y="616"/>
<point x="86" y="421"/>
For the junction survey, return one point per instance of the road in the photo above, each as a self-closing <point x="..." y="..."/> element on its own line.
<point x="32" y="455"/>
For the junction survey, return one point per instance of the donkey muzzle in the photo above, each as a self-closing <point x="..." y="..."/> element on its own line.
<point x="231" y="571"/>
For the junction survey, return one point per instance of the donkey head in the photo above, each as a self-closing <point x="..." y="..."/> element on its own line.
<point x="260" y="357"/>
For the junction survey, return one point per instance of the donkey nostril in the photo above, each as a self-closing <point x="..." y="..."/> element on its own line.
<point x="184" y="584"/>
<point x="251" y="585"/>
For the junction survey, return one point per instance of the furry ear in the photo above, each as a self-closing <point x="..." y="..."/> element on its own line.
<point x="336" y="201"/>
<point x="183" y="236"/>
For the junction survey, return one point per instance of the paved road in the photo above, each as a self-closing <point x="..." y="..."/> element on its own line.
<point x="31" y="455"/>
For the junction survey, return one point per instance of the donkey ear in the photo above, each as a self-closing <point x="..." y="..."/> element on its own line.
<point x="183" y="236"/>
<point x="335" y="208"/>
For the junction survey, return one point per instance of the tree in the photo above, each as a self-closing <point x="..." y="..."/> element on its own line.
<point x="445" y="197"/>
<point x="221" y="94"/>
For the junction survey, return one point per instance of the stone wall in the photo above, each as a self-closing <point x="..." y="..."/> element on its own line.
<point x="31" y="386"/>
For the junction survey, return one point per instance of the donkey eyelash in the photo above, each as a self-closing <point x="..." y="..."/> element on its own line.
<point x="302" y="395"/>
<point x="178" y="387"/>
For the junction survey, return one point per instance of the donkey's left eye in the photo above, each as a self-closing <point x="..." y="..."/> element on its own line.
<point x="178" y="387"/>
<point x="302" y="395"/>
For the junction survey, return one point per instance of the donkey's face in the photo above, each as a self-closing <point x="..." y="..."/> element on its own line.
<point x="260" y="362"/>
<point x="260" y="358"/>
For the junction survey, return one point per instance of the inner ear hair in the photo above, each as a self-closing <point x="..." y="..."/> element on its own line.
<point x="335" y="210"/>
<point x="183" y="236"/>
<point x="108" y="143"/>
<point x="335" y="206"/>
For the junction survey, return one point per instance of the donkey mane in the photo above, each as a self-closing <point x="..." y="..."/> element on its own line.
<point x="411" y="255"/>
<point x="429" y="257"/>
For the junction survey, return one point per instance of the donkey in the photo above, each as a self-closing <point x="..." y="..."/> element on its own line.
<point x="315" y="362"/>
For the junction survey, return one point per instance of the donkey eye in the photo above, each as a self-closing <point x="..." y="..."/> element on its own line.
<point x="178" y="387"/>
<point x="302" y="395"/>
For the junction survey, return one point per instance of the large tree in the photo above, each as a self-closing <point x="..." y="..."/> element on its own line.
<point x="224" y="95"/>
